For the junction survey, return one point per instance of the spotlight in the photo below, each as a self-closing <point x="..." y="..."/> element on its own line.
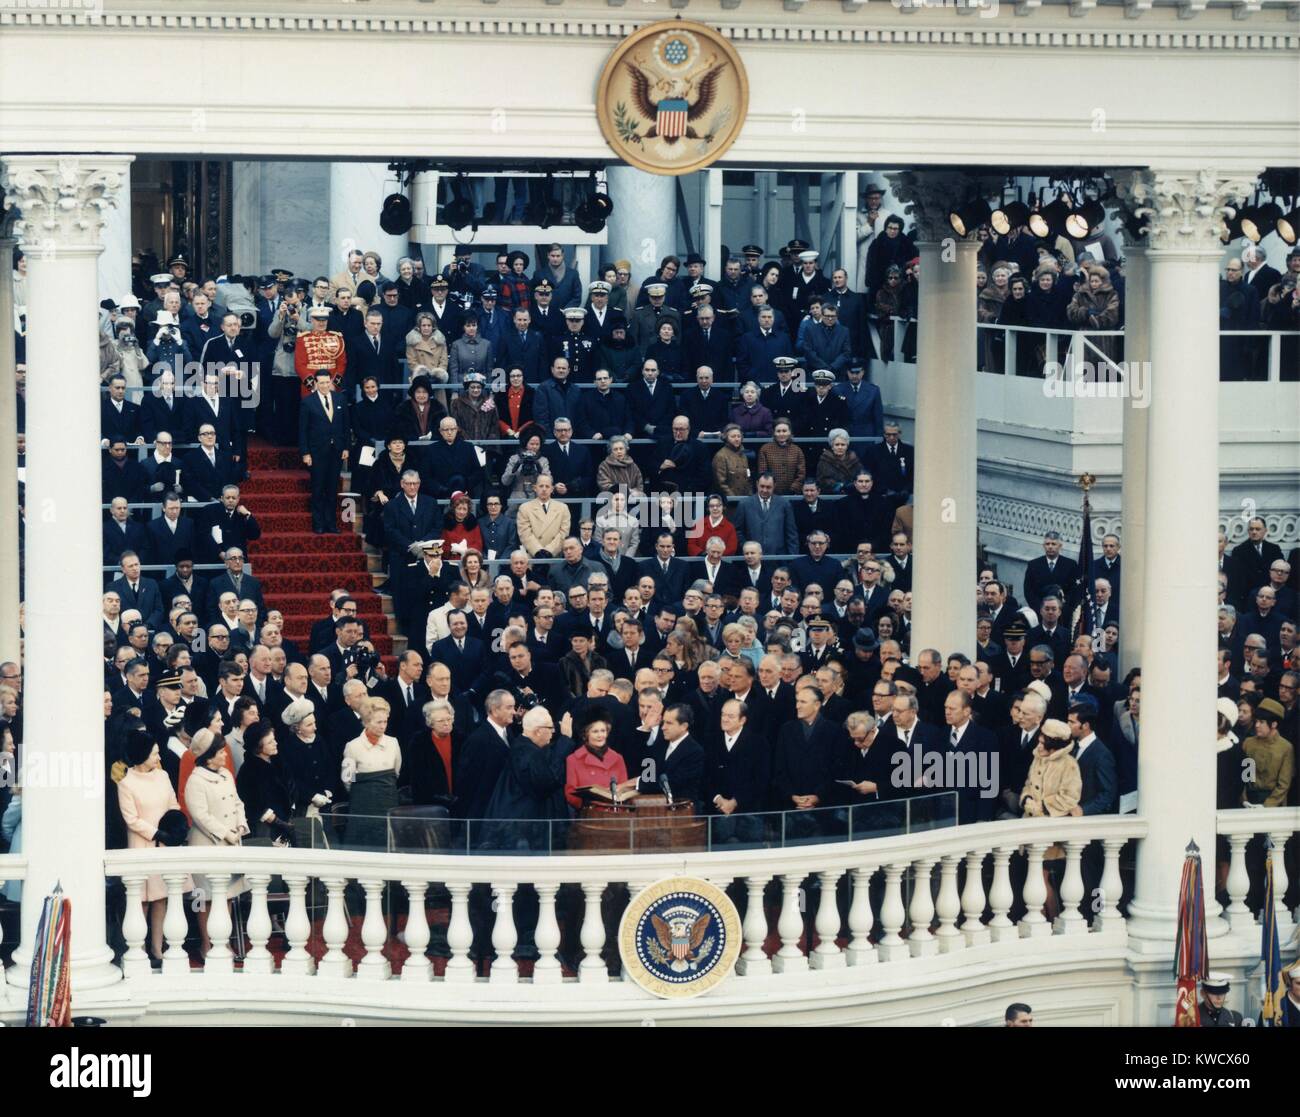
<point x="970" y="216"/>
<point x="593" y="212"/>
<point x="395" y="216"/>
<point x="1288" y="225"/>
<point x="543" y="209"/>
<point x="1050" y="220"/>
<point x="458" y="213"/>
<point x="1082" y="221"/>
<point x="1010" y="216"/>
<point x="1257" y="223"/>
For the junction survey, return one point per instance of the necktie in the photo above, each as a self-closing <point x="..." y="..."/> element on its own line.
<point x="1025" y="739"/>
<point x="374" y="343"/>
<point x="765" y="507"/>
<point x="329" y="407"/>
<point x="523" y="335"/>
<point x="410" y="694"/>
<point x="953" y="738"/>
<point x="565" y="448"/>
<point x="460" y="645"/>
<point x="706" y="335"/>
<point x="1051" y="565"/>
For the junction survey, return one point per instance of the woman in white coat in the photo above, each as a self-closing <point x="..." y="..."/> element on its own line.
<point x="215" y="809"/>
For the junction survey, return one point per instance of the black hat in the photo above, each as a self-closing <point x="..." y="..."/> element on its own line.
<point x="421" y="381"/>
<point x="865" y="640"/>
<point x="797" y="245"/>
<point x="695" y="258"/>
<point x="366" y="290"/>
<point x="282" y="275"/>
<point x="138" y="745"/>
<point x="178" y="259"/>
<point x="267" y="281"/>
<point x="183" y="555"/>
<point x="517" y="255"/>
<point x="463" y="250"/>
<point x="197" y="715"/>
<point x="438" y="281"/>
<point x="543" y="285"/>
<point x="488" y="292"/>
<point x="1016" y="630"/>
<point x="583" y="630"/>
<point x="173" y="828"/>
<point x="752" y="250"/>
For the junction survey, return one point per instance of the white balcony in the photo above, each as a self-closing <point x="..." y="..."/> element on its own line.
<point x="948" y="952"/>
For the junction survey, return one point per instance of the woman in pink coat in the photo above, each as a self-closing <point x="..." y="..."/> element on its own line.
<point x="144" y="795"/>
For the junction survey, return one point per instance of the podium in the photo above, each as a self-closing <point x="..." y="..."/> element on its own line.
<point x="644" y="824"/>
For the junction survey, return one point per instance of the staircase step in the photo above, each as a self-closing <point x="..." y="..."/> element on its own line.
<point x="284" y="521"/>
<point x="354" y="581"/>
<point x="281" y="542"/>
<point x="308" y="602"/>
<point x="306" y="563"/>
<point x="286" y="458"/>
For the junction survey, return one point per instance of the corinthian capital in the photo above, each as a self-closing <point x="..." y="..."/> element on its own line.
<point x="930" y="195"/>
<point x="63" y="199"/>
<point x="1184" y="210"/>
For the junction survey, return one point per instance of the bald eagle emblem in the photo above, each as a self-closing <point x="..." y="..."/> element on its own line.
<point x="683" y="940"/>
<point x="674" y="85"/>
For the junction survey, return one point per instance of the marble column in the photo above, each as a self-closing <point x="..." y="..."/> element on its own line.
<point x="357" y="193"/>
<point x="643" y="226"/>
<point x="64" y="202"/>
<point x="1176" y="765"/>
<point x="945" y="534"/>
<point x="10" y="638"/>
<point x="114" y="266"/>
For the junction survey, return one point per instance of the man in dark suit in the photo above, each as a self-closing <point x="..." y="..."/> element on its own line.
<point x="976" y="751"/>
<point x="525" y="347"/>
<point x="121" y="475"/>
<point x="676" y="760"/>
<point x="531" y="681"/>
<point x="227" y="524"/>
<point x="118" y="417"/>
<point x="767" y="519"/>
<point x="1051" y="630"/>
<point x="323" y="444"/>
<point x="709" y="345"/>
<point x="650" y="410"/>
<point x="169" y="534"/>
<point x="1011" y="665"/>
<point x="406" y="693"/>
<point x="572" y="470"/>
<point x="681" y="460"/>
<point x="465" y="657"/>
<point x="738" y="773"/>
<point x="408" y="519"/>
<point x="121" y="533"/>
<point x="185" y="581"/>
<point x="375" y="353"/>
<point x="1247" y="565"/>
<point x="891" y="464"/>
<point x="670" y="573"/>
<point x="914" y="741"/>
<point x="1051" y="568"/>
<point x="228" y="348"/>
<point x="752" y="573"/>
<point x="162" y="409"/>
<point x="705" y="406"/>
<point x="803" y="760"/>
<point x="1107" y="565"/>
<point x="483" y="756"/>
<point x="138" y="592"/>
<point x="234" y="580"/>
<point x="758" y="350"/>
<point x="220" y="409"/>
<point x="207" y="469"/>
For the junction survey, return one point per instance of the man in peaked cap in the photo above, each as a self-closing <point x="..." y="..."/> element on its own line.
<point x="806" y="282"/>
<point x="644" y="327"/>
<point x="320" y="348"/>
<point x="1213" y="1007"/>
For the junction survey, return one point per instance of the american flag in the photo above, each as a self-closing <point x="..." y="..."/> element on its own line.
<point x="671" y="117"/>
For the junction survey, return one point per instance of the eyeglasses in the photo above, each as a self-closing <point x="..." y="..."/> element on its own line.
<point x="1038" y="662"/>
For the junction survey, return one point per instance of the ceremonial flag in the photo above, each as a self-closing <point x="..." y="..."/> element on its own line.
<point x="1085" y="614"/>
<point x="1274" y="992"/>
<point x="1191" y="952"/>
<point x="49" y="996"/>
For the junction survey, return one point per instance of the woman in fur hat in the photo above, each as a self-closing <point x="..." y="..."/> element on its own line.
<point x="216" y="812"/>
<point x="1052" y="789"/>
<point x="426" y="352"/>
<point x="1095" y="306"/>
<point x="988" y="308"/>
<point x="144" y="795"/>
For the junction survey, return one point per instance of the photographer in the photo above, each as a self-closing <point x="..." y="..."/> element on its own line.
<point x="131" y="358"/>
<point x="531" y="683"/>
<point x="167" y="348"/>
<point x="522" y="470"/>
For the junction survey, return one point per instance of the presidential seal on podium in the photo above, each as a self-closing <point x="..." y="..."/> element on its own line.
<point x="679" y="937"/>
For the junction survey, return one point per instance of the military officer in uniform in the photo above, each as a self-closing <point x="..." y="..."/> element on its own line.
<point x="1214" y="1010"/>
<point x="753" y="264"/>
<point x="819" y="413"/>
<point x="645" y="319"/>
<point x="321" y="349"/>
<point x="578" y="347"/>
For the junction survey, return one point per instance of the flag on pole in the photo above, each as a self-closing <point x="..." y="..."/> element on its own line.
<point x="1191" y="955"/>
<point x="1085" y="613"/>
<point x="49" y="996"/>
<point x="1269" y="951"/>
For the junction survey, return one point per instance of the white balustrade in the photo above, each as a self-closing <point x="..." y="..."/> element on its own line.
<point x="176" y="963"/>
<point x="460" y="935"/>
<point x="220" y="958"/>
<point x="891" y="946"/>
<point x="1278" y="824"/>
<point x="258" y="959"/>
<point x="335" y="963"/>
<point x="417" y="966"/>
<point x="297" y="930"/>
<point x="1001" y="897"/>
<point x="1070" y="921"/>
<point x="374" y="933"/>
<point x="790" y="959"/>
<point x="1280" y="884"/>
<point x="948" y="906"/>
<point x="1112" y="885"/>
<point x="920" y="912"/>
<point x="827" y="954"/>
<point x="505" y="971"/>
<point x="972" y="902"/>
<point x="754" y="960"/>
<point x="593" y="968"/>
<point x="1239" y="916"/>
<point x="860" y="951"/>
<point x="135" y="928"/>
<point x="547" y="969"/>
<point x="1034" y="923"/>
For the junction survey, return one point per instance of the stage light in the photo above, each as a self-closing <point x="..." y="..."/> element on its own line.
<point x="593" y="212"/>
<point x="1084" y="219"/>
<point x="1257" y="223"/>
<point x="1050" y="220"/>
<point x="969" y="217"/>
<point x="1288" y="225"/>
<point x="395" y="216"/>
<point x="1010" y="216"/>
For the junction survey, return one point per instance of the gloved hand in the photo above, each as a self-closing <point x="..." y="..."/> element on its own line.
<point x="416" y="549"/>
<point x="320" y="800"/>
<point x="349" y="769"/>
<point x="172" y="720"/>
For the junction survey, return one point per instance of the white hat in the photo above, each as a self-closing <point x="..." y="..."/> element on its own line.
<point x="128" y="302"/>
<point x="165" y="318"/>
<point x="1041" y="689"/>
<point x="808" y="256"/>
<point x="297" y="711"/>
<point x="318" y="312"/>
<point x="1227" y="709"/>
<point x="1055" y="729"/>
<point x="1215" y="982"/>
<point x="162" y="279"/>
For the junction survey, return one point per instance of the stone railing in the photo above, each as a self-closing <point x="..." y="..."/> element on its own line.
<point x="1246" y="861"/>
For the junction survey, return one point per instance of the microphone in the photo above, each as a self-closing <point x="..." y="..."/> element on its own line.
<point x="613" y="789"/>
<point x="668" y="791"/>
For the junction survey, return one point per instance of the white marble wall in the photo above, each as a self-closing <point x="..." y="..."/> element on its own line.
<point x="281" y="218"/>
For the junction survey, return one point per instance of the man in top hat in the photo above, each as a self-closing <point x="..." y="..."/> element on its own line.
<point x="806" y="282"/>
<point x="1213" y="1007"/>
<point x="320" y="349"/>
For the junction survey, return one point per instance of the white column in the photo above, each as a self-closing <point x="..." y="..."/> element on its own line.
<point x="1184" y="211"/>
<point x="643" y="226"/>
<point x="712" y="246"/>
<point x="9" y="592"/>
<point x="114" y="268"/>
<point x="357" y="193"/>
<point x="848" y="233"/>
<point x="1134" y="495"/>
<point x="64" y="201"/>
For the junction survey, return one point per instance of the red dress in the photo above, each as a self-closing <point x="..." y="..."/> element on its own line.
<point x="473" y="539"/>
<point x="698" y="535"/>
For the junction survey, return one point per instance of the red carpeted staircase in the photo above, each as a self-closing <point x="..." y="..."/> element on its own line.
<point x="296" y="568"/>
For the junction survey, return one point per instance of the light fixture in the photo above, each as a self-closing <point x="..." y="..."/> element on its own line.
<point x="1050" y="220"/>
<point x="593" y="211"/>
<point x="1082" y="221"/>
<point x="1258" y="222"/>
<point x="395" y="216"/>
<point x="969" y="217"/>
<point x="1288" y="225"/>
<point x="1010" y="216"/>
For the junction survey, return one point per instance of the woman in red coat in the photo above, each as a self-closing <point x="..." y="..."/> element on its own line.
<point x="713" y="522"/>
<point x="460" y="529"/>
<point x="593" y="763"/>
